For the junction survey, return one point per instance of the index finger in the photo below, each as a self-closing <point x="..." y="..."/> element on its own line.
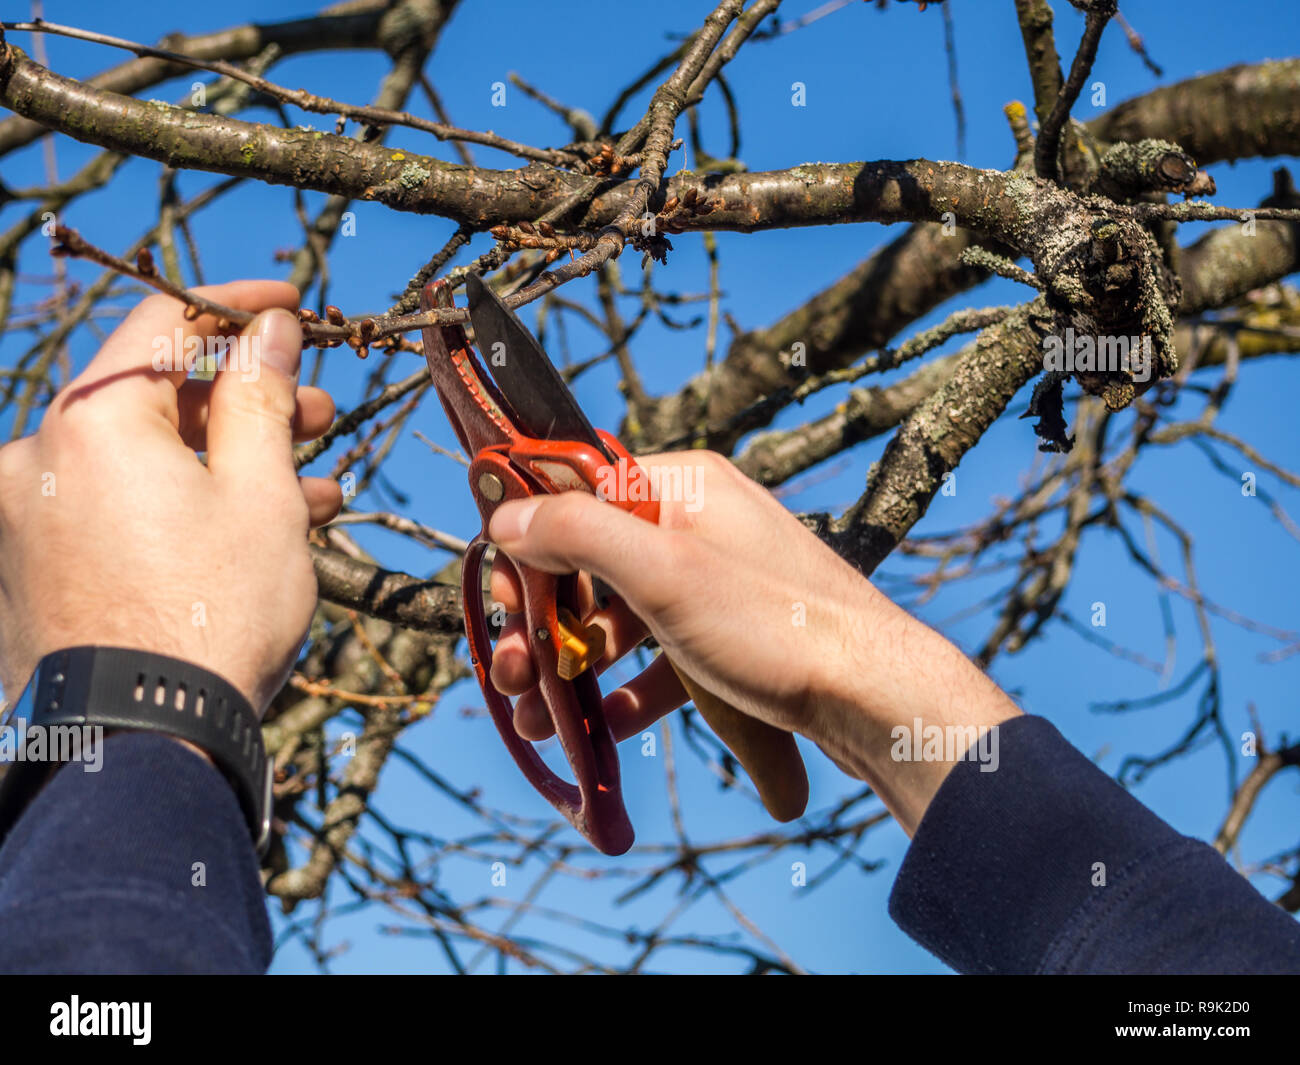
<point x="153" y="343"/>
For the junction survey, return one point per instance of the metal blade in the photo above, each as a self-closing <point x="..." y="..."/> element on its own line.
<point x="542" y="402"/>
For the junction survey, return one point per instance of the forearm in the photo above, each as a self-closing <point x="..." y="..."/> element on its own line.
<point x="1025" y="833"/>
<point x="901" y="706"/>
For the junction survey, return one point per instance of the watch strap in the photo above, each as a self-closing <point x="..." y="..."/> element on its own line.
<point x="130" y="690"/>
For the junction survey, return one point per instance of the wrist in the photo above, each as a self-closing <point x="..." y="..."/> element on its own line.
<point x="168" y="637"/>
<point x="98" y="691"/>
<point x="904" y="706"/>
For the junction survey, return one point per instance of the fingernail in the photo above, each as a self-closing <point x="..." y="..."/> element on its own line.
<point x="511" y="520"/>
<point x="279" y="341"/>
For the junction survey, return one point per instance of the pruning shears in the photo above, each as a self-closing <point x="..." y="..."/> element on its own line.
<point x="526" y="435"/>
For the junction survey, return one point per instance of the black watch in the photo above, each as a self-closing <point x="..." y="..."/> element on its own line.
<point x="136" y="691"/>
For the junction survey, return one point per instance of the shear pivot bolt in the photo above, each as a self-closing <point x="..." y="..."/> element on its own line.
<point x="490" y="487"/>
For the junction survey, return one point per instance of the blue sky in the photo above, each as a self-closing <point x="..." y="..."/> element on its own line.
<point x="876" y="88"/>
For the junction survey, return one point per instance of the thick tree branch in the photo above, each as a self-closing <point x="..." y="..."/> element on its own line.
<point x="987" y="201"/>
<point x="1242" y="112"/>
<point x="1229" y="261"/>
<point x="776" y="457"/>
<point x="920" y="269"/>
<point x="357" y="24"/>
<point x="895" y="285"/>
<point x="655" y="132"/>
<point x="935" y="437"/>
<point x="413" y="604"/>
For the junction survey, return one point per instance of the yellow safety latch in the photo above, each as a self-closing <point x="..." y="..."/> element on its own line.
<point x="581" y="646"/>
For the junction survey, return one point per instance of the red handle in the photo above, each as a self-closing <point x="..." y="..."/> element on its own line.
<point x="523" y="468"/>
<point x="594" y="806"/>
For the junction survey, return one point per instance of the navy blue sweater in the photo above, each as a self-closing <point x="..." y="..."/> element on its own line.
<point x="146" y="866"/>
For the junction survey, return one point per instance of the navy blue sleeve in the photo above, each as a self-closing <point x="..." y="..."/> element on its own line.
<point x="145" y="866"/>
<point x="1046" y="865"/>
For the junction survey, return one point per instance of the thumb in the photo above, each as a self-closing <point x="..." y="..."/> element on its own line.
<point x="576" y="531"/>
<point x="250" y="413"/>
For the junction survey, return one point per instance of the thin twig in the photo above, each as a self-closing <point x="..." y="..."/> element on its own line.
<point x="1049" y="135"/>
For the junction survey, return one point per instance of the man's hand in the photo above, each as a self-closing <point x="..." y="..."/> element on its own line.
<point x="756" y="610"/>
<point x="113" y="532"/>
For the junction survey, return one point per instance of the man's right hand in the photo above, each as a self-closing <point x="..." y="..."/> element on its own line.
<point x="755" y="609"/>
